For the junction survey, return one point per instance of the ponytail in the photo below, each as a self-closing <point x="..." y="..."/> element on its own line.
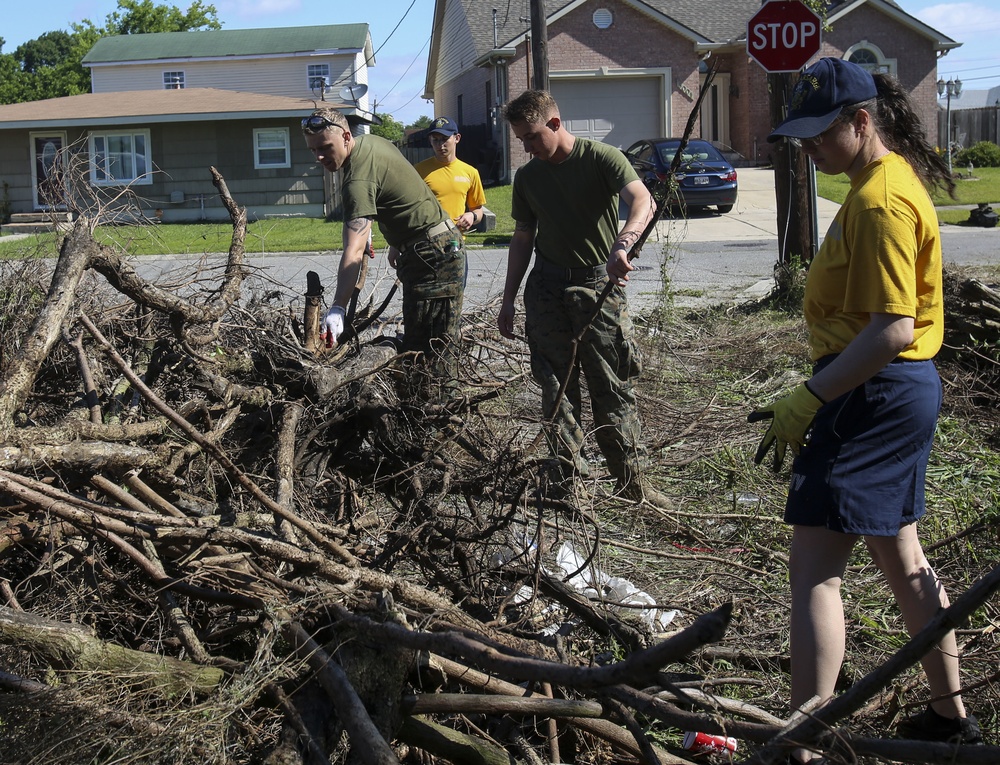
<point x="901" y="131"/>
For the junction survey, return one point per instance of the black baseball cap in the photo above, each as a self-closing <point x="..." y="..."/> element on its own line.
<point x="822" y="92"/>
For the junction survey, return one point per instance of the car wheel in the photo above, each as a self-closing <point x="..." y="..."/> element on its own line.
<point x="723" y="209"/>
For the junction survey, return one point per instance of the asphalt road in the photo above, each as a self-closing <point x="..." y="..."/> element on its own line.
<point x="709" y="258"/>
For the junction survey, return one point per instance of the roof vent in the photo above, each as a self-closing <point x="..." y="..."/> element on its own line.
<point x="603" y="18"/>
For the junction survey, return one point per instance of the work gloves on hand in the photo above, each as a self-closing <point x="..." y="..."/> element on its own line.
<point x="791" y="418"/>
<point x="333" y="325"/>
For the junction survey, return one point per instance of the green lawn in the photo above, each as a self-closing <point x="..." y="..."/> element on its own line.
<point x="272" y="235"/>
<point x="984" y="186"/>
<point x="315" y="235"/>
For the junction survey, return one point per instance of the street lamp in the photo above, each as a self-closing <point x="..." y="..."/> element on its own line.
<point x="950" y="88"/>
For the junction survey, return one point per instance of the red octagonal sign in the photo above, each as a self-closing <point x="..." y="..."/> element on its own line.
<point x="783" y="35"/>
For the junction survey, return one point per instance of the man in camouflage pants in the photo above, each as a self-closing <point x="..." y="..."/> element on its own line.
<point x="380" y="184"/>
<point x="565" y="208"/>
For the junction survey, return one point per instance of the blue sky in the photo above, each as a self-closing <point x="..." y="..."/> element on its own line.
<point x="397" y="80"/>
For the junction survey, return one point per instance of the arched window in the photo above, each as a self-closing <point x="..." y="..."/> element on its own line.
<point x="870" y="56"/>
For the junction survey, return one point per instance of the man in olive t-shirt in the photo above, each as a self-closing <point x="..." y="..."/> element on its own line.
<point x="565" y="209"/>
<point x="380" y="185"/>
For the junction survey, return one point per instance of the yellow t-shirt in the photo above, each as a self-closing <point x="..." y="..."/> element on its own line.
<point x="457" y="185"/>
<point x="882" y="254"/>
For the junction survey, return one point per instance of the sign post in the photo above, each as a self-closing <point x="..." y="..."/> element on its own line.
<point x="782" y="36"/>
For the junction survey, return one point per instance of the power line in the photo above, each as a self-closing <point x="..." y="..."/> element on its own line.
<point x="419" y="52"/>
<point x="350" y="76"/>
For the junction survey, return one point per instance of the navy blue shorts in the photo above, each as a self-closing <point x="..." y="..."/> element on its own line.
<point x="864" y="468"/>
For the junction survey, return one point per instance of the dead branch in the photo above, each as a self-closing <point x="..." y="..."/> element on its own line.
<point x="707" y="628"/>
<point x="451" y="744"/>
<point x="74" y="647"/>
<point x="20" y="371"/>
<point x="368" y="741"/>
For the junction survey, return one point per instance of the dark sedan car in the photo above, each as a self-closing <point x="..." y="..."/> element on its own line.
<point x="704" y="176"/>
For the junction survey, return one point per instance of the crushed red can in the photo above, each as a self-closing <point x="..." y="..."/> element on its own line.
<point x="708" y="743"/>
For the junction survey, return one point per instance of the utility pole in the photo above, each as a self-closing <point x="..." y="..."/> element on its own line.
<point x="539" y="46"/>
<point x="793" y="190"/>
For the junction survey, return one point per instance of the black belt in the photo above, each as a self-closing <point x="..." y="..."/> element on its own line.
<point x="574" y="275"/>
<point x="437" y="229"/>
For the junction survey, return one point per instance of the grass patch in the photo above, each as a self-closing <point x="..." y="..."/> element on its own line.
<point x="985" y="187"/>
<point x="263" y="236"/>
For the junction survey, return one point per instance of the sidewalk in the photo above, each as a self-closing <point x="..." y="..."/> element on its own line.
<point x="754" y="216"/>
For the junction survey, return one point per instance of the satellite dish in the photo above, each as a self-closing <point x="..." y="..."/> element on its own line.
<point x="353" y="92"/>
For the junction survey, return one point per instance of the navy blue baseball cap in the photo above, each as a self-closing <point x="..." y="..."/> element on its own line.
<point x="822" y="92"/>
<point x="444" y="126"/>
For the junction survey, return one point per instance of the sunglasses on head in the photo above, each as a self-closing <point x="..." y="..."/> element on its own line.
<point x="317" y="123"/>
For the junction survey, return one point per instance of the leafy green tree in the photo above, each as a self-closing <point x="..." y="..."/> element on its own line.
<point x="143" y="17"/>
<point x="390" y="129"/>
<point x="421" y="122"/>
<point x="51" y="50"/>
<point x="51" y="66"/>
<point x="10" y="80"/>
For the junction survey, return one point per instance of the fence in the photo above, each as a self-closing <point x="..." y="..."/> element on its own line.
<point x="970" y="126"/>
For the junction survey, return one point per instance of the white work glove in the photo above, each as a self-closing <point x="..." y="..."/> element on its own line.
<point x="333" y="325"/>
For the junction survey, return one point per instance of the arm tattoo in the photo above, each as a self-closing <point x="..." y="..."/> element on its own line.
<point x="628" y="238"/>
<point x="359" y="225"/>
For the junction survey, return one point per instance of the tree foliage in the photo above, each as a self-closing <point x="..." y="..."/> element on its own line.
<point x="421" y="122"/>
<point x="50" y="66"/>
<point x="49" y="50"/>
<point x="145" y="17"/>
<point x="390" y="129"/>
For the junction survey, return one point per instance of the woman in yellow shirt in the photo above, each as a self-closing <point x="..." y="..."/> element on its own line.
<point x="874" y="310"/>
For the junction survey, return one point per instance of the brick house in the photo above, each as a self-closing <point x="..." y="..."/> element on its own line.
<point x="628" y="69"/>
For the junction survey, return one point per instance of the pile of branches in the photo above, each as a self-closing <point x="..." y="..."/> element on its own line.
<point x="972" y="335"/>
<point x="222" y="543"/>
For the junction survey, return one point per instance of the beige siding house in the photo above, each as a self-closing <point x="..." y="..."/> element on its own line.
<point x="299" y="62"/>
<point x="167" y="107"/>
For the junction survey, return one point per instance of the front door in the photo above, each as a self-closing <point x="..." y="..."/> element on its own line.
<point x="48" y="171"/>
<point x="715" y="110"/>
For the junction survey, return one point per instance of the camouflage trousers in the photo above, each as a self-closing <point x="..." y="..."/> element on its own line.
<point x="557" y="304"/>
<point x="432" y="272"/>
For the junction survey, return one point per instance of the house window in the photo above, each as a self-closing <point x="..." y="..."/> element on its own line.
<point x="318" y="77"/>
<point x="270" y="148"/>
<point x="173" y="80"/>
<point x="602" y="18"/>
<point x="118" y="158"/>
<point x="869" y="56"/>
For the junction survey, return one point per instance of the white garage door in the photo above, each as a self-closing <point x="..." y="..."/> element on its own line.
<point x="616" y="110"/>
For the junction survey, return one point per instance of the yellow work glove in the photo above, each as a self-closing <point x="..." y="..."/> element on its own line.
<point x="791" y="418"/>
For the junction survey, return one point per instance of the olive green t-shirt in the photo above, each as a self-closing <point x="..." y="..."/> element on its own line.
<point x="574" y="203"/>
<point x="380" y="183"/>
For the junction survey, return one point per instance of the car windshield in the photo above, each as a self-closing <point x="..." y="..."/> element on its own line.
<point x="695" y="151"/>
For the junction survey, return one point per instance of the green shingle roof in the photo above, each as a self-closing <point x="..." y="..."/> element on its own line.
<point x="227" y="42"/>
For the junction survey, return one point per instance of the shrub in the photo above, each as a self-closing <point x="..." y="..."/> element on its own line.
<point x="982" y="154"/>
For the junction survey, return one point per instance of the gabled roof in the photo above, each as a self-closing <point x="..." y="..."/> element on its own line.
<point x="698" y="20"/>
<point x="280" y="41"/>
<point x="144" y="107"/>
<point x="709" y="25"/>
<point x="840" y="8"/>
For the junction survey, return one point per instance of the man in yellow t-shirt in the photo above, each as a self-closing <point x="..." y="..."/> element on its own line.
<point x="455" y="183"/>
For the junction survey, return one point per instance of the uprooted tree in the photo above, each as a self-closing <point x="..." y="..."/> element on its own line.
<point x="222" y="543"/>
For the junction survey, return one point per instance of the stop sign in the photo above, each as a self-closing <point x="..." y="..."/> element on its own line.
<point x="783" y="35"/>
